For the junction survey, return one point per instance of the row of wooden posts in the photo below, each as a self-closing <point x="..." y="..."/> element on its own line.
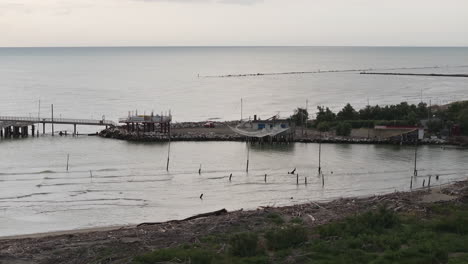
<point x="321" y="175"/>
<point x="16" y="131"/>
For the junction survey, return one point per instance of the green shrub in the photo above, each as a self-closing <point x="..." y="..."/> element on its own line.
<point x="324" y="126"/>
<point x="361" y="123"/>
<point x="369" y="222"/>
<point x="244" y="244"/>
<point x="343" y="129"/>
<point x="275" y="218"/>
<point x="177" y="255"/>
<point x="453" y="224"/>
<point x="287" y="237"/>
<point x="297" y="220"/>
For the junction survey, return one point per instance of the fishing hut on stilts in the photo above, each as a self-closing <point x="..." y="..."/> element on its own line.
<point x="155" y="125"/>
<point x="271" y="130"/>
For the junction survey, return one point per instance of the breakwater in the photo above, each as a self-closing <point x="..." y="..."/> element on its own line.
<point x="195" y="132"/>
<point x="417" y="74"/>
<point x="366" y="70"/>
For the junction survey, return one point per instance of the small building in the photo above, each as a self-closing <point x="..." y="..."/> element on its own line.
<point x="400" y="133"/>
<point x="273" y="129"/>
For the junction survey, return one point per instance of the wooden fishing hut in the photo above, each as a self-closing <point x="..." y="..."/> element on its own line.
<point x="154" y="124"/>
<point x="273" y="129"/>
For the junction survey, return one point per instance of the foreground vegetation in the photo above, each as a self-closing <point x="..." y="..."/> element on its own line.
<point x="378" y="236"/>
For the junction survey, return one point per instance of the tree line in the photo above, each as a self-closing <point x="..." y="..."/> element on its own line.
<point x="402" y="114"/>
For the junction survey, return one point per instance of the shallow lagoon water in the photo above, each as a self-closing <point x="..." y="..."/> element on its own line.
<point x="130" y="184"/>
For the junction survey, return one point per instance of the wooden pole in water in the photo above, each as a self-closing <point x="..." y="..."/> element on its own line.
<point x="297" y="179"/>
<point x="68" y="159"/>
<point x="241" y="110"/>
<point x="168" y="147"/>
<point x="416" y="159"/>
<point x="38" y="116"/>
<point x="320" y="158"/>
<point x="52" y="106"/>
<point x="306" y="118"/>
<point x="248" y="156"/>
<point x="305" y="180"/>
<point x="323" y="180"/>
<point x="230" y="176"/>
<point x="411" y="183"/>
<point x="199" y="169"/>
<point x="429" y="182"/>
<point x="168" y="155"/>
<point x="265" y="177"/>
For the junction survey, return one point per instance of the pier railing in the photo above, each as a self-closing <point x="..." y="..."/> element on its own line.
<point x="90" y="122"/>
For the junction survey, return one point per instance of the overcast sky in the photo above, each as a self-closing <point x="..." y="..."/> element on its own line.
<point x="233" y="22"/>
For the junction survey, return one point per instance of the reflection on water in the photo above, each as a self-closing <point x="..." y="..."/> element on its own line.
<point x="272" y="148"/>
<point x="113" y="182"/>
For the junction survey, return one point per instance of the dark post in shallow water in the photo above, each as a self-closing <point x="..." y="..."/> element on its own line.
<point x="248" y="156"/>
<point x="320" y="155"/>
<point x="297" y="179"/>
<point x="265" y="177"/>
<point x="68" y="158"/>
<point x="168" y="149"/>
<point x="52" y="106"/>
<point x="415" y="159"/>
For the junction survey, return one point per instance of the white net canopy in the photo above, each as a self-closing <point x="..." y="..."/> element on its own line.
<point x="246" y="129"/>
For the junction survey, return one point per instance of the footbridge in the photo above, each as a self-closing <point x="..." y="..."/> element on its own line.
<point x="18" y="126"/>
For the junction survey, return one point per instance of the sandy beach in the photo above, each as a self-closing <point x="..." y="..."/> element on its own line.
<point x="121" y="244"/>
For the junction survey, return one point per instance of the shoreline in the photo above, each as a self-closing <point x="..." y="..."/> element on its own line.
<point x="120" y="244"/>
<point x="131" y="226"/>
<point x="194" y="131"/>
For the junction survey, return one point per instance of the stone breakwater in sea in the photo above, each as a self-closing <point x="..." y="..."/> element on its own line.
<point x="190" y="131"/>
<point x="195" y="131"/>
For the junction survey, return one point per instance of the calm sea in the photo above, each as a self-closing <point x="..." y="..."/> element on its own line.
<point x="92" y="82"/>
<point x="112" y="182"/>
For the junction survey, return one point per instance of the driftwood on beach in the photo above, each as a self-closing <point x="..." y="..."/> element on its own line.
<point x="214" y="213"/>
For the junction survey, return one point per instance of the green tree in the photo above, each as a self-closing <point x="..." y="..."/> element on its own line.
<point x="325" y="115"/>
<point x="366" y="113"/>
<point x="324" y="126"/>
<point x="412" y="118"/>
<point x="463" y="119"/>
<point x="347" y="113"/>
<point x="343" y="129"/>
<point x="435" y="125"/>
<point x="300" y="116"/>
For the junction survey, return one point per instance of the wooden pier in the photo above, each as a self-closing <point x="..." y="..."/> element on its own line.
<point x="11" y="126"/>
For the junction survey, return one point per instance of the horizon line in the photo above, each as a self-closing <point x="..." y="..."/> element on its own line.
<point x="242" y="46"/>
